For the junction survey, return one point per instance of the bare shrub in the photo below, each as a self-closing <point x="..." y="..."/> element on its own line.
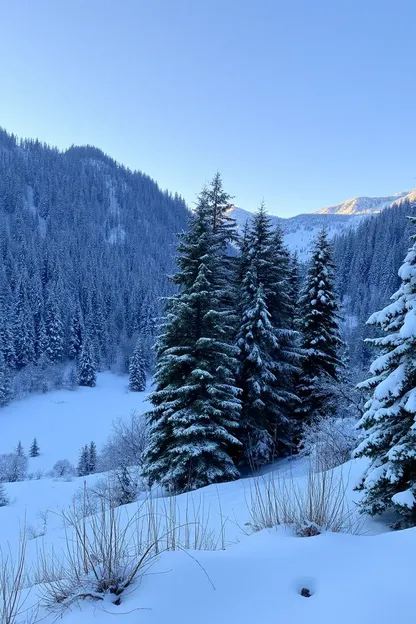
<point x="63" y="469"/>
<point x="13" y="467"/>
<point x="103" y="555"/>
<point x="107" y="552"/>
<point x="126" y="444"/>
<point x="308" y="508"/>
<point x="329" y="441"/>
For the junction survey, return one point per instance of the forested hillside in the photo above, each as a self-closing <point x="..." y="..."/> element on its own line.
<point x="368" y="260"/>
<point x="85" y="246"/>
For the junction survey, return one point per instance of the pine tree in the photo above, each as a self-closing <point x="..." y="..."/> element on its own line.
<point x="137" y="372"/>
<point x="19" y="449"/>
<point x="389" y="422"/>
<point x="34" y="450"/>
<point x="268" y="351"/>
<point x="83" y="467"/>
<point x="87" y="375"/>
<point x="319" y="325"/>
<point x="196" y="405"/>
<point x="92" y="458"/>
<point x="5" y="390"/>
<point x="76" y="333"/>
<point x="54" y="330"/>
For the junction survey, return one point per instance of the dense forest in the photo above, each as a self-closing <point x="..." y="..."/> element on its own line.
<point x="85" y="247"/>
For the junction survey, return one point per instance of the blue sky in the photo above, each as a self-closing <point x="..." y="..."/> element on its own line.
<point x="302" y="103"/>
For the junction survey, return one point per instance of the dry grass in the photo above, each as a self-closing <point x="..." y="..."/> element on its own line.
<point x="309" y="509"/>
<point x="13" y="590"/>
<point x="107" y="552"/>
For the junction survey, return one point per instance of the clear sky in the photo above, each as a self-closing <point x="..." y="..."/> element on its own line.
<point x="304" y="103"/>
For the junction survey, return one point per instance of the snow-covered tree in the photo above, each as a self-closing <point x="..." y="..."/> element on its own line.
<point x="4" y="499"/>
<point x="267" y="345"/>
<point x="5" y="391"/>
<point x="389" y="423"/>
<point x="54" y="330"/>
<point x="87" y="375"/>
<point x="19" y="449"/>
<point x="92" y="458"/>
<point x="137" y="372"/>
<point x="319" y="325"/>
<point x="34" y="450"/>
<point x="76" y="333"/>
<point x="124" y="490"/>
<point x="195" y="404"/>
<point x="83" y="462"/>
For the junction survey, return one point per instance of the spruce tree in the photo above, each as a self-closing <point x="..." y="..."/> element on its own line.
<point x="34" y="450"/>
<point x="268" y="350"/>
<point x="137" y="372"/>
<point x="87" y="375"/>
<point x="76" y="333"/>
<point x="196" y="405"/>
<point x="5" y="390"/>
<point x="19" y="449"/>
<point x="54" y="330"/>
<point x="92" y="458"/>
<point x="319" y="325"/>
<point x="389" y="422"/>
<point x="83" y="467"/>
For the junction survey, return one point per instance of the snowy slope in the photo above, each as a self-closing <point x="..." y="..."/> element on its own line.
<point x="256" y="577"/>
<point x="364" y="205"/>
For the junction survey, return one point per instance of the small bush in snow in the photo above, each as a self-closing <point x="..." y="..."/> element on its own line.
<point x="4" y="499"/>
<point x="63" y="469"/>
<point x="13" y="467"/>
<point x="126" y="444"/>
<point x="329" y="441"/>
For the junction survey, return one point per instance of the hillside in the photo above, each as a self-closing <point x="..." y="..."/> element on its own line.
<point x="85" y="245"/>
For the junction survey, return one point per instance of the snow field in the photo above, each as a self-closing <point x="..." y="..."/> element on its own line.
<point x="258" y="577"/>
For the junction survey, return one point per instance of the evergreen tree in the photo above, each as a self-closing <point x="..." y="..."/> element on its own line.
<point x="34" y="450"/>
<point x="137" y="372"/>
<point x="54" y="330"/>
<point x="319" y="324"/>
<point x="196" y="405"/>
<point x="92" y="458"/>
<point x="19" y="449"/>
<point x="125" y="488"/>
<point x="5" y="391"/>
<point x="83" y="467"/>
<point x="268" y="351"/>
<point x="76" y="334"/>
<point x="4" y="499"/>
<point x="87" y="375"/>
<point x="389" y="422"/>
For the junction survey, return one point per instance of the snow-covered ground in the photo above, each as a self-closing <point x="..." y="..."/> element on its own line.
<point x="258" y="577"/>
<point x="64" y="420"/>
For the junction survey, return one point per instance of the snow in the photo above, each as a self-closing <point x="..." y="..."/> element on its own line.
<point x="406" y="498"/>
<point x="64" y="420"/>
<point x="258" y="577"/>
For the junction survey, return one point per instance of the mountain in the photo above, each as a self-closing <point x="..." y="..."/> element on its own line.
<point x="299" y="231"/>
<point x="85" y="247"/>
<point x="364" y="205"/>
